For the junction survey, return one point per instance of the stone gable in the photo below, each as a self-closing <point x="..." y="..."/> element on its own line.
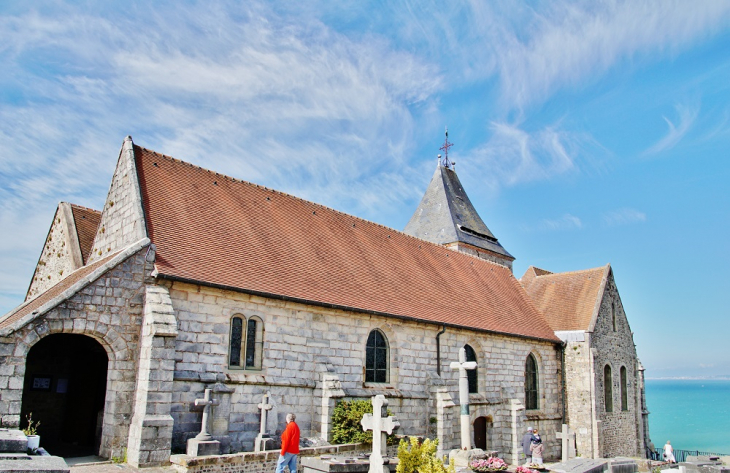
<point x="122" y="220"/>
<point x="108" y="310"/>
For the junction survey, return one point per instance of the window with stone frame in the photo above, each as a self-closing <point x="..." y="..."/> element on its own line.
<point x="531" y="383"/>
<point x="246" y="343"/>
<point x="472" y="375"/>
<point x="608" y="388"/>
<point x="613" y="315"/>
<point x="624" y="392"/>
<point x="376" y="358"/>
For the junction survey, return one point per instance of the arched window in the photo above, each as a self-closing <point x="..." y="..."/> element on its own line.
<point x="246" y="343"/>
<point x="613" y="315"/>
<point x="531" y="394"/>
<point x="376" y="358"/>
<point x="624" y="392"/>
<point x="472" y="375"/>
<point x="608" y="388"/>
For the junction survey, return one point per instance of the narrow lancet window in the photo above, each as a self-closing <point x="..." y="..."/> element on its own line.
<point x="376" y="358"/>
<point x="246" y="343"/>
<point x="624" y="392"/>
<point x="531" y="383"/>
<point x="472" y="375"/>
<point x="608" y="388"/>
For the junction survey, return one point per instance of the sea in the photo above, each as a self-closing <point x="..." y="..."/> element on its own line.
<point x="693" y="413"/>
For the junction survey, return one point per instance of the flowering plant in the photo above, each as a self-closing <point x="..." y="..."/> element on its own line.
<point x="524" y="469"/>
<point x="488" y="464"/>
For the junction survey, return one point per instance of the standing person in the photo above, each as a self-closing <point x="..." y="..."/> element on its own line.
<point x="526" y="440"/>
<point x="537" y="447"/>
<point x="669" y="453"/>
<point x="289" y="446"/>
<point x="536" y="436"/>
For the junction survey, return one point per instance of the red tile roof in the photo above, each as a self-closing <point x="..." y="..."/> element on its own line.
<point x="54" y="291"/>
<point x="219" y="231"/>
<point x="567" y="300"/>
<point x="87" y="222"/>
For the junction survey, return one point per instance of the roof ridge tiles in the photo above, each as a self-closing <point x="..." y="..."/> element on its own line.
<point x="567" y="273"/>
<point x="83" y="208"/>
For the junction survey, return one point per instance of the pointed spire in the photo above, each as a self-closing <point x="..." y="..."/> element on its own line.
<point x="447" y="217"/>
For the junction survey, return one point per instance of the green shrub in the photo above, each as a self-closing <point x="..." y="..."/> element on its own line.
<point x="346" y="427"/>
<point x="420" y="457"/>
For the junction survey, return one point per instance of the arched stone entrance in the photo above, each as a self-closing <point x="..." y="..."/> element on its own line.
<point x="64" y="388"/>
<point x="482" y="432"/>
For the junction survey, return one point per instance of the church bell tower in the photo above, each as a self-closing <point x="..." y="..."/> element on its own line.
<point x="447" y="217"/>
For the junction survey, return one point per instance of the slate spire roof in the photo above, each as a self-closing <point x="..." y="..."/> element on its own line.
<point x="446" y="215"/>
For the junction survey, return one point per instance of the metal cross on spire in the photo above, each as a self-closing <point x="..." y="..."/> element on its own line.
<point x="445" y="148"/>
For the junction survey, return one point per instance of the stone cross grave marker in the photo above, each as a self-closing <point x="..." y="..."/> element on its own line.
<point x="207" y="402"/>
<point x="380" y="425"/>
<point x="567" y="437"/>
<point x="263" y="436"/>
<point x="462" y="365"/>
<point x="203" y="443"/>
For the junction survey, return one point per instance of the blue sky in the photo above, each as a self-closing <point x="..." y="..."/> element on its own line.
<point x="585" y="133"/>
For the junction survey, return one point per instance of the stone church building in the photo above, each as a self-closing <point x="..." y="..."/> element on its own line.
<point x="188" y="279"/>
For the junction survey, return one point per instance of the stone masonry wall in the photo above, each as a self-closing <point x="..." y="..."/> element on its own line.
<point x="108" y="310"/>
<point x="122" y="220"/>
<point x="579" y="400"/>
<point x="56" y="261"/>
<point x="302" y="343"/>
<point x="617" y="429"/>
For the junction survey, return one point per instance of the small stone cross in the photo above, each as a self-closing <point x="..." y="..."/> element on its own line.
<point x="264" y="406"/>
<point x="462" y="365"/>
<point x="207" y="402"/>
<point x="380" y="425"/>
<point x="566" y="436"/>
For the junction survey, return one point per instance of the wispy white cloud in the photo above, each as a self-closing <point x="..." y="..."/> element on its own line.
<point x="623" y="216"/>
<point x="514" y="155"/>
<point x="566" y="222"/>
<point x="569" y="43"/>
<point x="675" y="133"/>
<point x="292" y="105"/>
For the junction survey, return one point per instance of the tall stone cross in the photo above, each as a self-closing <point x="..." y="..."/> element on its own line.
<point x="381" y="425"/>
<point x="264" y="406"/>
<point x="207" y="402"/>
<point x="462" y="365"/>
<point x="515" y="405"/>
<point x="568" y="446"/>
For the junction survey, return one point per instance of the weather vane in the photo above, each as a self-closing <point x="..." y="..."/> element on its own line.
<point x="445" y="148"/>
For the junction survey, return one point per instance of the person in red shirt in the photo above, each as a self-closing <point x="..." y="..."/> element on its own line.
<point x="289" y="446"/>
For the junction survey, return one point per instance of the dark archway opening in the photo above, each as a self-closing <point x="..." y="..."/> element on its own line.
<point x="64" y="388"/>
<point x="482" y="430"/>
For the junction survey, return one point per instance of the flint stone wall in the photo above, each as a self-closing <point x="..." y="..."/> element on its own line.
<point x="619" y="430"/>
<point x="56" y="261"/>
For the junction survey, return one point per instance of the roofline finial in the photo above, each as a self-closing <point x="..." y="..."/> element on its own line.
<point x="445" y="148"/>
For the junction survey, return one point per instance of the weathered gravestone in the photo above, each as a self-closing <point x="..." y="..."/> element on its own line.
<point x="335" y="464"/>
<point x="381" y="425"/>
<point x="203" y="443"/>
<point x="14" y="457"/>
